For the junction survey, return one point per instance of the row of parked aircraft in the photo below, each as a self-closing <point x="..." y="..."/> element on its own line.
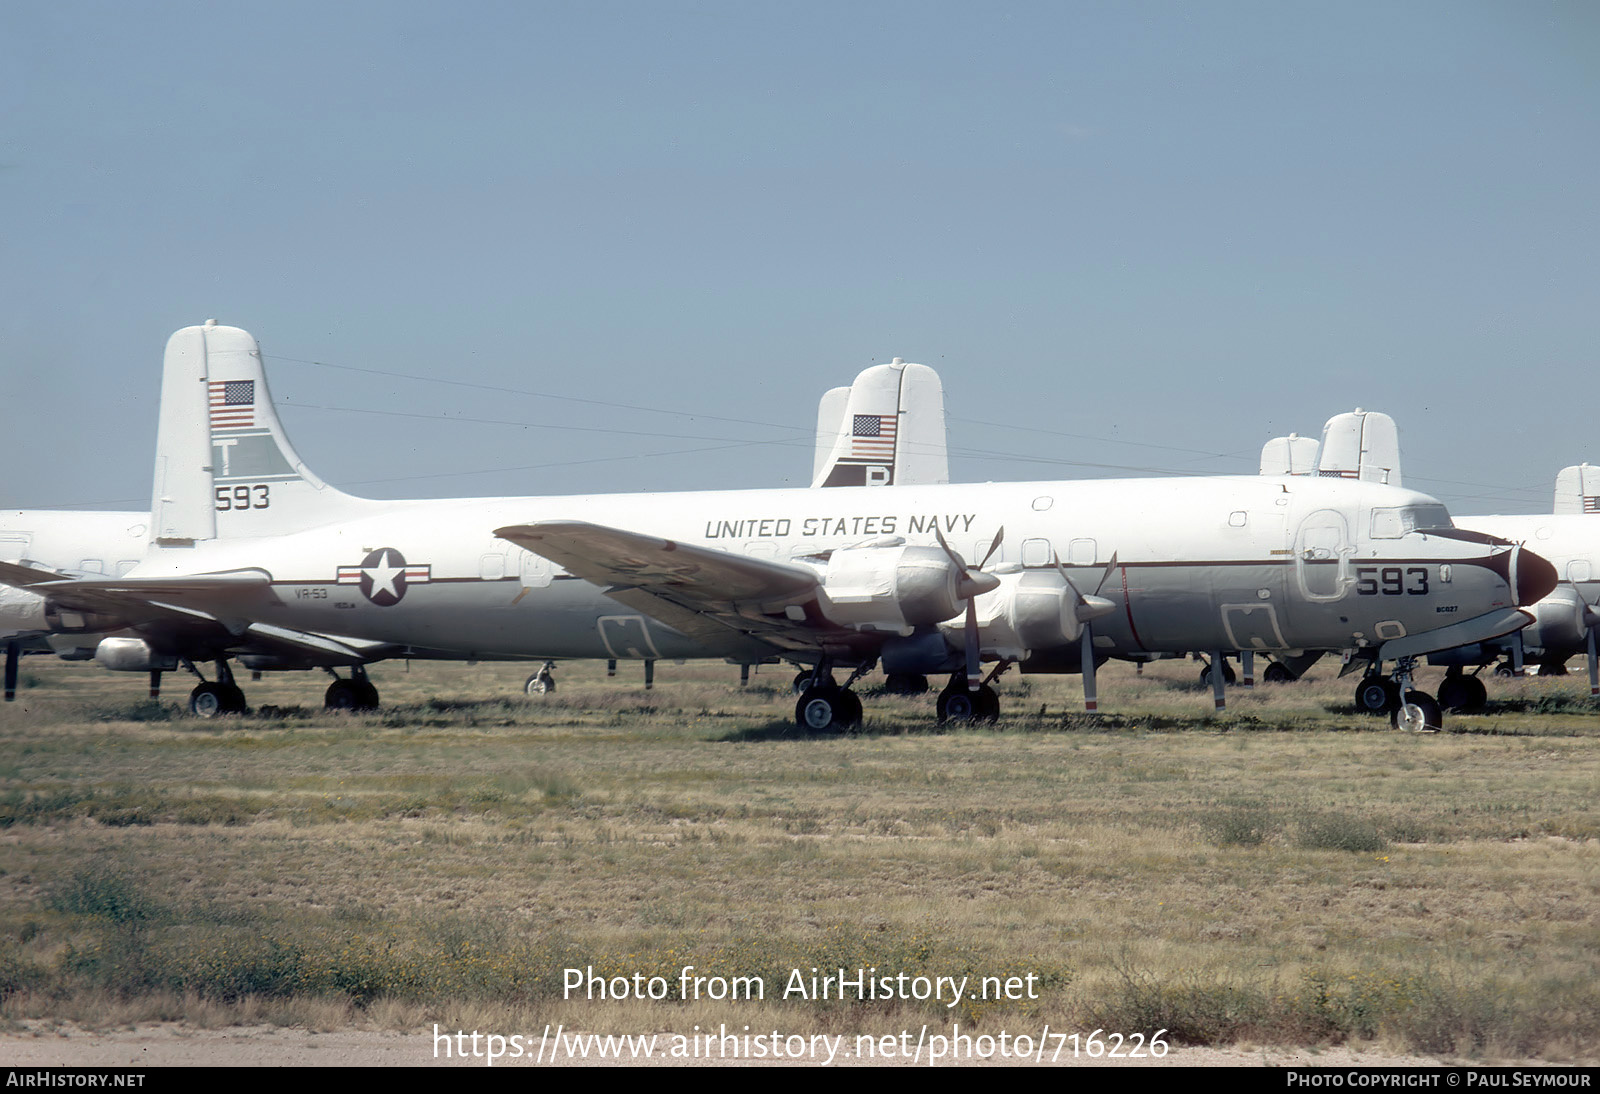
<point x="247" y="557"/>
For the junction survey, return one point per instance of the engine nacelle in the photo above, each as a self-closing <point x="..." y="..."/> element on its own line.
<point x="21" y="612"/>
<point x="1558" y="622"/>
<point x="890" y="588"/>
<point x="1033" y="610"/>
<point x="131" y="655"/>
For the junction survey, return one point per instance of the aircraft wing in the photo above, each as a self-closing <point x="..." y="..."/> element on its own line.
<point x="201" y="603"/>
<point x="137" y="600"/>
<point x="737" y="606"/>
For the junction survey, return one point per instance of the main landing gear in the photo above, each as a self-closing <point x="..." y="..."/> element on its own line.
<point x="212" y="698"/>
<point x="354" y="694"/>
<point x="1408" y="709"/>
<point x="824" y="706"/>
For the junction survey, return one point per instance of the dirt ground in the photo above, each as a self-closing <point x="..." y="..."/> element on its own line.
<point x="173" y="1045"/>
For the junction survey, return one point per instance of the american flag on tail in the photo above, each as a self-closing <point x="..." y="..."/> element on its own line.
<point x="872" y="436"/>
<point x="233" y="403"/>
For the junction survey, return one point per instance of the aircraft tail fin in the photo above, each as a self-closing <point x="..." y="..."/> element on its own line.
<point x="1291" y="455"/>
<point x="887" y="428"/>
<point x="1578" y="489"/>
<point x="224" y="466"/>
<point x="1364" y="444"/>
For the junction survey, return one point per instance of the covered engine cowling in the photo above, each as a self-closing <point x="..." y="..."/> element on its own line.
<point x="1033" y="610"/>
<point x="890" y="588"/>
<point x="131" y="655"/>
<point x="1559" y="622"/>
<point x="21" y="612"/>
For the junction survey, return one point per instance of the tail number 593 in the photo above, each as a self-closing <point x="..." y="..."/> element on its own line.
<point x="1391" y="581"/>
<point x="243" y="497"/>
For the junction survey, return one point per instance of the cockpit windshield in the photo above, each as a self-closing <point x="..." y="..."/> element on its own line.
<point x="1397" y="522"/>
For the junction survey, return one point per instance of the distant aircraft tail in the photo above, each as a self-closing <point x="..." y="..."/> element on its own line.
<point x="224" y="466"/>
<point x="1291" y="455"/>
<point x="1361" y="445"/>
<point x="1578" y="489"/>
<point x="885" y="429"/>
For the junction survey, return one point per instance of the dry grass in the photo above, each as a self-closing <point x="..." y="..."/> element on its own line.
<point x="1287" y="871"/>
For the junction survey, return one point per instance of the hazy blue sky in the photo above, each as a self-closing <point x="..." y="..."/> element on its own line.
<point x="1111" y="227"/>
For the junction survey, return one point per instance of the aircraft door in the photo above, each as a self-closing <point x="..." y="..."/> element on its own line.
<point x="1322" y="549"/>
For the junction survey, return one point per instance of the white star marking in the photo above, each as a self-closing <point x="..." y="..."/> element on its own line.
<point x="383" y="575"/>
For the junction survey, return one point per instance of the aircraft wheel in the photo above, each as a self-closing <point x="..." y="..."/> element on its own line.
<point x="1552" y="668"/>
<point x="802" y="680"/>
<point x="209" y="700"/>
<point x="1228" y="675"/>
<point x="1418" y="714"/>
<point x="957" y="704"/>
<point x="1463" y="694"/>
<point x="1375" y="695"/>
<point x="827" y="709"/>
<point x="1278" y="674"/>
<point x="1503" y="670"/>
<point x="350" y="695"/>
<point x="540" y="683"/>
<point x="905" y="683"/>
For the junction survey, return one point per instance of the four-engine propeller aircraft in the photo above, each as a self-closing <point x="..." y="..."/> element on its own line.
<point x="254" y="557"/>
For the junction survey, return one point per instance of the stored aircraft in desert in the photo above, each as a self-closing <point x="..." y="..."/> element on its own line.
<point x="254" y="557"/>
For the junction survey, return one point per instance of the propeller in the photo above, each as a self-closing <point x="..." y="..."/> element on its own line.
<point x="1089" y="608"/>
<point x="972" y="583"/>
<point x="1591" y="620"/>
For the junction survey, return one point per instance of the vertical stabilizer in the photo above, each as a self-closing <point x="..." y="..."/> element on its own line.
<point x="1578" y="489"/>
<point x="830" y="424"/>
<point x="224" y="466"/>
<point x="1364" y="444"/>
<point x="887" y="428"/>
<point x="1291" y="455"/>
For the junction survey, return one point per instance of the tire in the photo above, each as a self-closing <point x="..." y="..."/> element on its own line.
<point x="957" y="704"/>
<point x="1503" y="671"/>
<point x="802" y="680"/>
<point x="1418" y="714"/>
<point x="1375" y="695"/>
<point x="828" y="709"/>
<point x="905" y="683"/>
<point x="1463" y="694"/>
<point x="350" y="695"/>
<point x="1228" y="675"/>
<point x="1278" y="674"/>
<point x="540" y="683"/>
<point x="208" y="700"/>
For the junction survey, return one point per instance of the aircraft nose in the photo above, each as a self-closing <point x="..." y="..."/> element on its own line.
<point x="1535" y="577"/>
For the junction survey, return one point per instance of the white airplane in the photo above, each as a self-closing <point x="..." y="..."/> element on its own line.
<point x="1365" y="445"/>
<point x="860" y="441"/>
<point x="252" y="556"/>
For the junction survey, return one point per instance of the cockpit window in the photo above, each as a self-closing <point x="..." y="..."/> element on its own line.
<point x="1394" y="523"/>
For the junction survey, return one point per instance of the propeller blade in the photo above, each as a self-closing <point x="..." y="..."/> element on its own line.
<point x="974" y="669"/>
<point x="1110" y="566"/>
<point x="1594" y="668"/>
<point x="993" y="547"/>
<point x="1091" y="698"/>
